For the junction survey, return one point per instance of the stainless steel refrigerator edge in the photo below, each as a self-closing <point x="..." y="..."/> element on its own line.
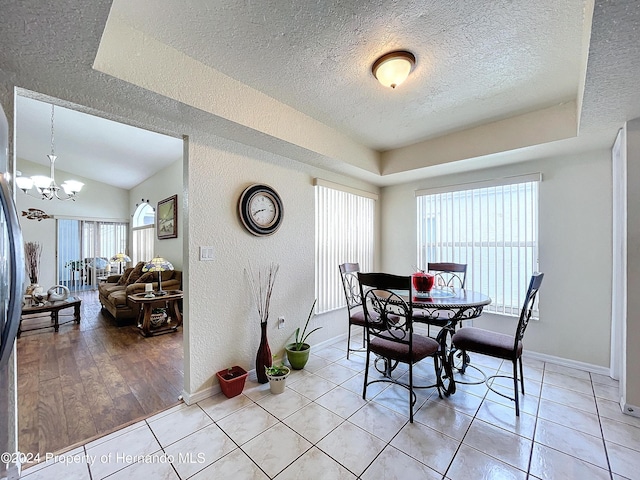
<point x="12" y="276"/>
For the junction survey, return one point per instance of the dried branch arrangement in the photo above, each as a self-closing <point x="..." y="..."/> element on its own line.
<point x="32" y="254"/>
<point x="262" y="287"/>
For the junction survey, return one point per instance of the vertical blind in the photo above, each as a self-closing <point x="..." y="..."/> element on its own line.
<point x="84" y="249"/>
<point x="143" y="244"/>
<point x="345" y="230"/>
<point x="493" y="229"/>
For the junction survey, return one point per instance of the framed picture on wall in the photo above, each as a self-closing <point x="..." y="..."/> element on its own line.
<point x="167" y="218"/>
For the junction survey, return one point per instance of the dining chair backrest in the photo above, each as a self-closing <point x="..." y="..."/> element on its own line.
<point x="448" y="274"/>
<point x="350" y="284"/>
<point x="527" y="307"/>
<point x="387" y="313"/>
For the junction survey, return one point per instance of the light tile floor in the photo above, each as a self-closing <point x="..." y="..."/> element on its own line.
<point x="570" y="427"/>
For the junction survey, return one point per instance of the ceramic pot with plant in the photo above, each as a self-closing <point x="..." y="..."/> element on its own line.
<point x="232" y="380"/>
<point x="277" y="375"/>
<point x="298" y="351"/>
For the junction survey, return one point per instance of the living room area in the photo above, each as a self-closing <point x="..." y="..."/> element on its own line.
<point x="98" y="373"/>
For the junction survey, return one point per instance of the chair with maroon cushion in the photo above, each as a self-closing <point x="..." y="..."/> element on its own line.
<point x="499" y="345"/>
<point x="351" y="286"/>
<point x="389" y="330"/>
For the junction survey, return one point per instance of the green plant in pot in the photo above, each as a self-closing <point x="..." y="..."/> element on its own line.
<point x="277" y="375"/>
<point x="298" y="351"/>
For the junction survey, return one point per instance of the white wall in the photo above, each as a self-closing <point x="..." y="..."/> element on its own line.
<point x="575" y="251"/>
<point x="223" y="327"/>
<point x="96" y="201"/>
<point x="633" y="264"/>
<point x="165" y="183"/>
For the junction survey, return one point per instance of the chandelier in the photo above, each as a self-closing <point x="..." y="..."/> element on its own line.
<point x="46" y="187"/>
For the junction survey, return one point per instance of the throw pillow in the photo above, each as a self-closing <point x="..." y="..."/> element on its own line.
<point x="148" y="277"/>
<point x="135" y="274"/>
<point x="125" y="276"/>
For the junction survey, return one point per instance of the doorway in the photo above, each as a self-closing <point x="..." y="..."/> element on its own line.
<point x="96" y="376"/>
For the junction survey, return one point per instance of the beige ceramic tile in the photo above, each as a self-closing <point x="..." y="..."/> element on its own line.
<point x="171" y="428"/>
<point x="501" y="444"/>
<point x="352" y="447"/>
<point x="572" y="372"/>
<point x="313" y="387"/>
<point x="604" y="379"/>
<point x="471" y="464"/>
<point x="550" y="464"/>
<point x="198" y="450"/>
<point x="569" y="417"/>
<point x="582" y="385"/>
<point x="392" y="464"/>
<point x="341" y="401"/>
<point x="570" y="398"/>
<point x="621" y="433"/>
<point x="572" y="442"/>
<point x="72" y="465"/>
<point x="437" y="415"/>
<point x="317" y="465"/>
<point x="426" y="445"/>
<point x="607" y="392"/>
<point x="378" y="420"/>
<point x="236" y="466"/>
<point x="283" y="405"/>
<point x="247" y="423"/>
<point x="276" y="448"/>
<point x="219" y="406"/>
<point x="158" y="470"/>
<point x="624" y="461"/>
<point x="313" y="422"/>
<point x="504" y="416"/>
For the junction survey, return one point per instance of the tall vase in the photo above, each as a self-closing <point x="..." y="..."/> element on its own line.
<point x="263" y="357"/>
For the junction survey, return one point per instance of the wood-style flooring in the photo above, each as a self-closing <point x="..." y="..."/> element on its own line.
<point x="88" y="379"/>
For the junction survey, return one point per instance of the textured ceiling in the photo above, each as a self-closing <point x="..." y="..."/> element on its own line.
<point x="64" y="37"/>
<point x="476" y="61"/>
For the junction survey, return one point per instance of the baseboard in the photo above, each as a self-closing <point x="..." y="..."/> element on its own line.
<point x="200" y="395"/>
<point x="565" y="362"/>
<point x="630" y="409"/>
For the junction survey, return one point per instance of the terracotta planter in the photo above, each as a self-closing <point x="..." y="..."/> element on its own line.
<point x="298" y="358"/>
<point x="232" y="380"/>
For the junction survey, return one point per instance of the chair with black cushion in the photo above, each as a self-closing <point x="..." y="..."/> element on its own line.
<point x="499" y="345"/>
<point x="389" y="330"/>
<point x="351" y="286"/>
<point x="447" y="275"/>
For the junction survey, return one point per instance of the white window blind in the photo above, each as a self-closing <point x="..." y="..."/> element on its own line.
<point x="345" y="230"/>
<point x="493" y="229"/>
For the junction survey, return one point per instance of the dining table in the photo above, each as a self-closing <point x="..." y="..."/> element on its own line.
<point x="449" y="306"/>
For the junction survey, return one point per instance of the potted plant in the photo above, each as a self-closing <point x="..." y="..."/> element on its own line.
<point x="232" y="380"/>
<point x="298" y="351"/>
<point x="277" y="375"/>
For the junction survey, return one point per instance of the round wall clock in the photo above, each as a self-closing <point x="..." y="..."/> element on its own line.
<point x="260" y="209"/>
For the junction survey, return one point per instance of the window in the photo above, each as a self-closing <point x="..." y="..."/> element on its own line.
<point x="84" y="248"/>
<point x="144" y="232"/>
<point x="492" y="228"/>
<point x="345" y="220"/>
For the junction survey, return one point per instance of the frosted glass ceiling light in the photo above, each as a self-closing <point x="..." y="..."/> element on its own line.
<point x="46" y="187"/>
<point x="393" y="68"/>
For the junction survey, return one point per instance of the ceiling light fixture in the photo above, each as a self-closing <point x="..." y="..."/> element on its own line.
<point x="393" y="68"/>
<point x="47" y="187"/>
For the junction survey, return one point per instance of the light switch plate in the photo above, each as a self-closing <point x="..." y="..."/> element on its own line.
<point x="206" y="253"/>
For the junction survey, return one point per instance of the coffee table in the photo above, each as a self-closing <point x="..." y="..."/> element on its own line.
<point x="53" y="309"/>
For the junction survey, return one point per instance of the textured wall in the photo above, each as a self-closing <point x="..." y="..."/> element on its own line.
<point x="575" y="251"/>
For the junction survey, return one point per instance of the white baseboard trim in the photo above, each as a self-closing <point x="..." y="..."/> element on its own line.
<point x="200" y="395"/>
<point x="630" y="409"/>
<point x="326" y="343"/>
<point x="565" y="362"/>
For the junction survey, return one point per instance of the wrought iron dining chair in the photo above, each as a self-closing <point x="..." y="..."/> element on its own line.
<point x="499" y="345"/>
<point x="390" y="336"/>
<point x="351" y="286"/>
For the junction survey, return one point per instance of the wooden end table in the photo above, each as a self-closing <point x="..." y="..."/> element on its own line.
<point x="53" y="308"/>
<point x="144" y="319"/>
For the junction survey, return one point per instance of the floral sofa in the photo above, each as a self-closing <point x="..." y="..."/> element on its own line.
<point x="115" y="291"/>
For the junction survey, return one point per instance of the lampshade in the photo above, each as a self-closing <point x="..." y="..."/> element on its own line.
<point x="157" y="264"/>
<point x="393" y="68"/>
<point x="120" y="258"/>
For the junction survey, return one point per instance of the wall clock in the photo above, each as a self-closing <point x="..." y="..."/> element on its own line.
<point x="260" y="209"/>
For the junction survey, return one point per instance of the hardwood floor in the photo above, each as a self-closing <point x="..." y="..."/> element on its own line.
<point x="88" y="379"/>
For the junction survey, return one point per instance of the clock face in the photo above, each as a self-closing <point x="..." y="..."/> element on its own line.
<point x="260" y="209"/>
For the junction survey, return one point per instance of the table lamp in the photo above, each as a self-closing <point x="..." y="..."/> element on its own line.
<point x="120" y="258"/>
<point x="158" y="264"/>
